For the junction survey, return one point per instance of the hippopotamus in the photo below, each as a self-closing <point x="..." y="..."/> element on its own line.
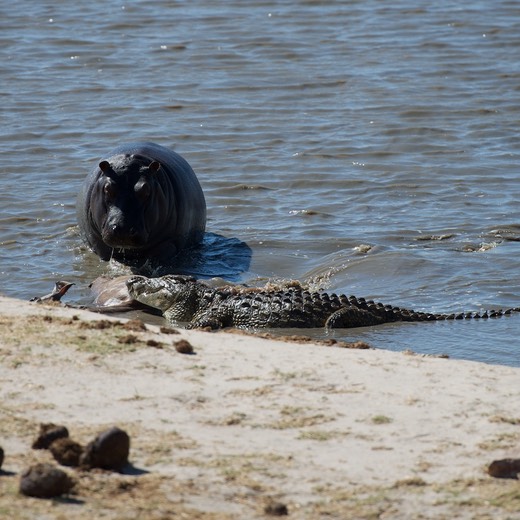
<point x="142" y="202"/>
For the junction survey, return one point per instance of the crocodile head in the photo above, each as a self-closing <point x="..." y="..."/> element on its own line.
<point x="175" y="296"/>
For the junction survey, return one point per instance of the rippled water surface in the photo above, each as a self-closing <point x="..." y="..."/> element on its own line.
<point x="364" y="147"/>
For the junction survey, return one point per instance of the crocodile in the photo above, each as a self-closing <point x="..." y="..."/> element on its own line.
<point x="186" y="299"/>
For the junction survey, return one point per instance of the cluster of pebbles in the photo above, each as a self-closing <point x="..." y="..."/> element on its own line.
<point x="109" y="451"/>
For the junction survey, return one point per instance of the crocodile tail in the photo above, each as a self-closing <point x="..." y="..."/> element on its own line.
<point x="475" y="315"/>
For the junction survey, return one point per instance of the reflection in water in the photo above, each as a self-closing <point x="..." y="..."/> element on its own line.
<point x="216" y="256"/>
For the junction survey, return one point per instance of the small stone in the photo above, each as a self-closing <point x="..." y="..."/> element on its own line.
<point x="504" y="468"/>
<point x="1" y="457"/>
<point x="128" y="339"/>
<point x="109" y="450"/>
<point x="184" y="347"/>
<point x="66" y="451"/>
<point x="45" y="481"/>
<point x="135" y="325"/>
<point x="153" y="343"/>
<point x="168" y="330"/>
<point x="276" y="509"/>
<point x="49" y="432"/>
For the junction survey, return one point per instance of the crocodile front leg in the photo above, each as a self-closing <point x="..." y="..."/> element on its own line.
<point x="352" y="316"/>
<point x="212" y="318"/>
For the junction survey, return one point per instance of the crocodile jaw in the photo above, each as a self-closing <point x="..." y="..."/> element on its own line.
<point x="154" y="295"/>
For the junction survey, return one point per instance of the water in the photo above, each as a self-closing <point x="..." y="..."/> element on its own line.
<point x="366" y="147"/>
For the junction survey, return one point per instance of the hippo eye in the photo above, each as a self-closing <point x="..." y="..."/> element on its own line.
<point x="109" y="189"/>
<point x="142" y="190"/>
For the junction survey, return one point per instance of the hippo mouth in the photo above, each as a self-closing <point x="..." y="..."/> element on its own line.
<point x="118" y="238"/>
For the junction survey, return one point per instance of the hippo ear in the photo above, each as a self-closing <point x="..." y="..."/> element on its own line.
<point x="104" y="166"/>
<point x="154" y="166"/>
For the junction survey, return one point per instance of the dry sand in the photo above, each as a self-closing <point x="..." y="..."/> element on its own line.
<point x="330" y="432"/>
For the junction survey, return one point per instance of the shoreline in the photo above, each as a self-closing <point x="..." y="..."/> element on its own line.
<point x="245" y="421"/>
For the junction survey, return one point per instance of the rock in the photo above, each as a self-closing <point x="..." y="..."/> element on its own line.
<point x="1" y="457"/>
<point x="49" y="432"/>
<point x="135" y="325"/>
<point x="153" y="343"/>
<point x="45" y="481"/>
<point x="168" y="330"/>
<point x="276" y="509"/>
<point x="66" y="451"/>
<point x="109" y="450"/>
<point x="184" y="347"/>
<point x="504" y="468"/>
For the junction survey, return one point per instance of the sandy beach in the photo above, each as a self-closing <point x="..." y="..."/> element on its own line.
<point x="326" y="431"/>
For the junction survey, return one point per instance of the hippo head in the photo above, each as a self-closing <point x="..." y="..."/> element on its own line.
<point x="141" y="204"/>
<point x="128" y="196"/>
